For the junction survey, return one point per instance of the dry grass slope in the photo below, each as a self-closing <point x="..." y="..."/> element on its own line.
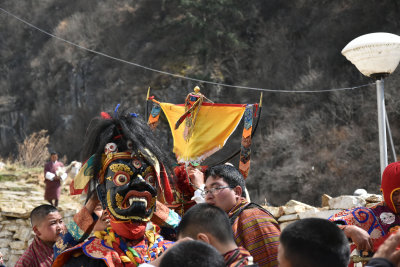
<point x="33" y="152"/>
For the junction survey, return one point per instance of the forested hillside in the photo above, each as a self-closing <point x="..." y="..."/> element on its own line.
<point x="306" y="144"/>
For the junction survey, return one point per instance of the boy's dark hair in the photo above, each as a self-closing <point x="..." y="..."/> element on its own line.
<point x="40" y="212"/>
<point x="192" y="253"/>
<point x="205" y="218"/>
<point x="229" y="174"/>
<point x="315" y="242"/>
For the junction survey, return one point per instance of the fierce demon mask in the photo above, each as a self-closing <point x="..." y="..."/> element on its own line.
<point x="124" y="168"/>
<point x="128" y="186"/>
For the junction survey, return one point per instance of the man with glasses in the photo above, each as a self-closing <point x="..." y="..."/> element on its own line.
<point x="254" y="228"/>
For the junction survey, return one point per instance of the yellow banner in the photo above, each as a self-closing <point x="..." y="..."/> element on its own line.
<point x="214" y="124"/>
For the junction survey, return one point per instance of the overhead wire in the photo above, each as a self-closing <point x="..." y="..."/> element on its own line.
<point x="177" y="75"/>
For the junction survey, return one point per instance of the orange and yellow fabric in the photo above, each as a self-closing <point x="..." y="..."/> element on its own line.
<point x="214" y="124"/>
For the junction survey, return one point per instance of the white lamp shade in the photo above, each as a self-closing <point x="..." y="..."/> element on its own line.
<point x="374" y="53"/>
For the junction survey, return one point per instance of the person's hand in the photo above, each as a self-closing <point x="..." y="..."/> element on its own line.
<point x="92" y="203"/>
<point x="56" y="178"/>
<point x="359" y="236"/>
<point x="196" y="177"/>
<point x="388" y="249"/>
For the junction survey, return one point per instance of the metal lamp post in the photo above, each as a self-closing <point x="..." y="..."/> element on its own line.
<point x="376" y="55"/>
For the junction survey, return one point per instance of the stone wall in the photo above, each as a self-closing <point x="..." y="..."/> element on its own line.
<point x="294" y="210"/>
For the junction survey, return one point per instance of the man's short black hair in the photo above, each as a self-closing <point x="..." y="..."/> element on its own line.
<point x="205" y="218"/>
<point x="229" y="174"/>
<point x="40" y="212"/>
<point x="315" y="242"/>
<point x="192" y="253"/>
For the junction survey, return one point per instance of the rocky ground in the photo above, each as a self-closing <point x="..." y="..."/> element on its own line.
<point x="21" y="191"/>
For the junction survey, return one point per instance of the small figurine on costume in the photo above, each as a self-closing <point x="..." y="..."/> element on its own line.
<point x="125" y="169"/>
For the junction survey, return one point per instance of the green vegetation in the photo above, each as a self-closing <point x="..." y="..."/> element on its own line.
<point x="5" y="177"/>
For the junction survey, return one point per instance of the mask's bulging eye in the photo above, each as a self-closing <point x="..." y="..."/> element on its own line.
<point x="136" y="163"/>
<point x="121" y="178"/>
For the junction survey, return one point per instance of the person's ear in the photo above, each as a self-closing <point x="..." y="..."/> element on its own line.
<point x="203" y="237"/>
<point x="36" y="230"/>
<point x="238" y="190"/>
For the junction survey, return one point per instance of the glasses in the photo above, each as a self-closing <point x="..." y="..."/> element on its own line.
<point x="213" y="191"/>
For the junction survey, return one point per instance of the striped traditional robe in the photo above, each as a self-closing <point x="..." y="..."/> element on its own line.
<point x="238" y="257"/>
<point x="38" y="254"/>
<point x="258" y="232"/>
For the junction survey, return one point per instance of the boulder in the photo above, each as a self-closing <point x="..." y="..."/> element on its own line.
<point x="24" y="234"/>
<point x="294" y="209"/>
<point x="325" y="200"/>
<point x="14" y="245"/>
<point x="323" y="214"/>
<point x="289" y="217"/>
<point x="275" y="211"/>
<point x="292" y="202"/>
<point x="5" y="234"/>
<point x="12" y="227"/>
<point x="294" y="206"/>
<point x="4" y="242"/>
<point x="346" y="202"/>
<point x="15" y="212"/>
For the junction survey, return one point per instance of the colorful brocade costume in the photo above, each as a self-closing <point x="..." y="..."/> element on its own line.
<point x="125" y="169"/>
<point x="83" y="222"/>
<point x="378" y="221"/>
<point x="257" y="231"/>
<point x="105" y="249"/>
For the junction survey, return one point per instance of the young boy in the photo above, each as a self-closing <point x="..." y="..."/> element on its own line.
<point x="313" y="242"/>
<point x="47" y="225"/>
<point x="210" y="224"/>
